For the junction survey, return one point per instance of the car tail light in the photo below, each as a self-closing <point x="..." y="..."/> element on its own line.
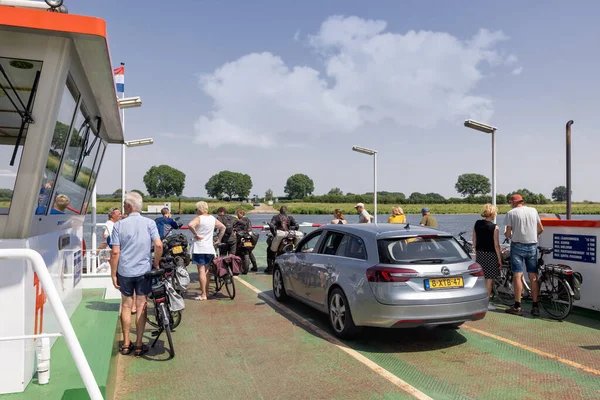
<point x="388" y="274"/>
<point x="476" y="270"/>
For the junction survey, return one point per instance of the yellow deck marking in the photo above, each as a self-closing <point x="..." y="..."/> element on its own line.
<point x="352" y="353"/>
<point x="534" y="350"/>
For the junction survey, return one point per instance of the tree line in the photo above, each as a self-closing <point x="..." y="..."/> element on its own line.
<point x="164" y="181"/>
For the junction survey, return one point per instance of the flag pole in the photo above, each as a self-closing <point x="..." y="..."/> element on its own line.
<point x="123" y="146"/>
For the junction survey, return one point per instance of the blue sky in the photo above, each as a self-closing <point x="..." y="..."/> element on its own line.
<point x="273" y="88"/>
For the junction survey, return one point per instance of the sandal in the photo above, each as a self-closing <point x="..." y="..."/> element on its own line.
<point x="139" y="350"/>
<point x="125" y="350"/>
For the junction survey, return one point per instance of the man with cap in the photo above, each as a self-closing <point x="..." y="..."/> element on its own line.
<point x="523" y="227"/>
<point x="363" y="216"/>
<point x="428" y="219"/>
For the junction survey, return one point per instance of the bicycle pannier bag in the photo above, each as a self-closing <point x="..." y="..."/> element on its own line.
<point x="183" y="278"/>
<point x="176" y="302"/>
<point x="236" y="264"/>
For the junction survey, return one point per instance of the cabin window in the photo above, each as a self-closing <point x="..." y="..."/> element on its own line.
<point x="18" y="84"/>
<point x="57" y="203"/>
<point x="90" y="167"/>
<point x="74" y="177"/>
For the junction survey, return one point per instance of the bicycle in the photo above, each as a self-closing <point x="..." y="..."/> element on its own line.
<point x="162" y="311"/>
<point x="555" y="292"/>
<point x="467" y="245"/>
<point x="225" y="279"/>
<point x="170" y="275"/>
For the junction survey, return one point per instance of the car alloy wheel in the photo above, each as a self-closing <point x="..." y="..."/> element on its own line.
<point x="278" y="287"/>
<point x="337" y="312"/>
<point x="277" y="284"/>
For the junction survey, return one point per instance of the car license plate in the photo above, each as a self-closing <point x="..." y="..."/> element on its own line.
<point x="247" y="244"/>
<point x="177" y="249"/>
<point x="444" y="283"/>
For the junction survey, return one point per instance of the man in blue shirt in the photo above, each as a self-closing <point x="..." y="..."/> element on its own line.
<point x="166" y="223"/>
<point x="130" y="258"/>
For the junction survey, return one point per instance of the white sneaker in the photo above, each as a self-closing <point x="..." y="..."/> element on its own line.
<point x="491" y="307"/>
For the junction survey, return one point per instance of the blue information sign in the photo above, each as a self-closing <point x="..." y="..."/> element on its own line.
<point x="580" y="248"/>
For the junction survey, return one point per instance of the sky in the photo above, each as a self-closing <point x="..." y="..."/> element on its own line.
<point x="274" y="88"/>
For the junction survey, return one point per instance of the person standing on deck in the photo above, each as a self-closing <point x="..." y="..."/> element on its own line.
<point x="363" y="216"/>
<point x="130" y="259"/>
<point x="486" y="245"/>
<point x="203" y="249"/>
<point x="428" y="219"/>
<point x="523" y="227"/>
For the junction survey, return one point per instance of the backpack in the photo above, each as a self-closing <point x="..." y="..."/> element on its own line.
<point x="226" y="220"/>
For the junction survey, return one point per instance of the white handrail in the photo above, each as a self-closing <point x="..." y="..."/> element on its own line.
<point x="61" y="315"/>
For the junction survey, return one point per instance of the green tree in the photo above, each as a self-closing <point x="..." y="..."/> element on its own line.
<point x="117" y="194"/>
<point x="559" y="193"/>
<point x="268" y="195"/>
<point x="299" y="186"/>
<point x="6" y="193"/>
<point x="230" y="184"/>
<point x="59" y="138"/>
<point x="435" y="198"/>
<point x="336" y="192"/>
<point x="472" y="185"/>
<point x="164" y="181"/>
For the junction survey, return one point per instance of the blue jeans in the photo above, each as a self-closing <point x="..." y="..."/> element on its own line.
<point x="523" y="254"/>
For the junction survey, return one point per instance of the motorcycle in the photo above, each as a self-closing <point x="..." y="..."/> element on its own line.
<point x="288" y="240"/>
<point x="176" y="255"/>
<point x="246" y="241"/>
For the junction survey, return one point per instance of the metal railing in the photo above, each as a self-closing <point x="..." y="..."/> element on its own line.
<point x="61" y="315"/>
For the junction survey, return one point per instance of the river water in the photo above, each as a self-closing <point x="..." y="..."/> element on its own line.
<point x="451" y="223"/>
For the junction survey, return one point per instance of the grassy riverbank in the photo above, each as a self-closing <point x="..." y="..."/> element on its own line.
<point x="347" y="208"/>
<point x="324" y="208"/>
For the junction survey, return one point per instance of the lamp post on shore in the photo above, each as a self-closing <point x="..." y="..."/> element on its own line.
<point x="373" y="153"/>
<point x="481" y="127"/>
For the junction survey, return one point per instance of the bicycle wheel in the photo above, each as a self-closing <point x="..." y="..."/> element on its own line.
<point x="166" y="325"/>
<point x="503" y="289"/>
<point x="152" y="321"/>
<point x="555" y="297"/>
<point x="230" y="284"/>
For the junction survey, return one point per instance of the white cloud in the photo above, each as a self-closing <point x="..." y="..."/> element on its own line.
<point x="417" y="79"/>
<point x="517" y="71"/>
<point x="8" y="173"/>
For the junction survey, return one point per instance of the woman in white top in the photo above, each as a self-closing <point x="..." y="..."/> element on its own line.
<point x="203" y="249"/>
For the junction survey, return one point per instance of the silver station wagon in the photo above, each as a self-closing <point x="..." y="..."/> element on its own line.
<point x="389" y="275"/>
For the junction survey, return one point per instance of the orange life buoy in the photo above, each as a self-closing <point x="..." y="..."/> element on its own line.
<point x="83" y="247"/>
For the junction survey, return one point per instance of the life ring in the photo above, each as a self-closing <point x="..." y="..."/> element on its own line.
<point x="83" y="248"/>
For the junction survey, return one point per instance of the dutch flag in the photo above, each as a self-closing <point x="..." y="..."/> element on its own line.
<point x="120" y="79"/>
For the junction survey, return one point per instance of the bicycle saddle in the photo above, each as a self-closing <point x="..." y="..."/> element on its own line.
<point x="545" y="250"/>
<point x="154" y="273"/>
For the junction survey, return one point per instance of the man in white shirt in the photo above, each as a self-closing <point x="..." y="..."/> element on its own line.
<point x="114" y="215"/>
<point x="523" y="227"/>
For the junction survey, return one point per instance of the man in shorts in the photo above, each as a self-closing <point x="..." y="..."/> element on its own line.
<point x="130" y="259"/>
<point x="523" y="227"/>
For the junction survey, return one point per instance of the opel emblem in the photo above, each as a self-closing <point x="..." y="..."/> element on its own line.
<point x="445" y="271"/>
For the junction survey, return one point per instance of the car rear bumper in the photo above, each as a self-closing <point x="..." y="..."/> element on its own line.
<point x="386" y="316"/>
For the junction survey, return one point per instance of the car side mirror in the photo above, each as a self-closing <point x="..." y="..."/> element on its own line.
<point x="288" y="248"/>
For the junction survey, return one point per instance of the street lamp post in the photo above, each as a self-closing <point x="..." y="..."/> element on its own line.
<point x="373" y="153"/>
<point x="130" y="143"/>
<point x="126" y="102"/>
<point x="481" y="127"/>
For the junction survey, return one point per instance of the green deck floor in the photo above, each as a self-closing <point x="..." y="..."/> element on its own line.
<point x="248" y="349"/>
<point x="95" y="322"/>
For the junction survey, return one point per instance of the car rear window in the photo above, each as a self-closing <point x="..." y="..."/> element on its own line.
<point x="421" y="250"/>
